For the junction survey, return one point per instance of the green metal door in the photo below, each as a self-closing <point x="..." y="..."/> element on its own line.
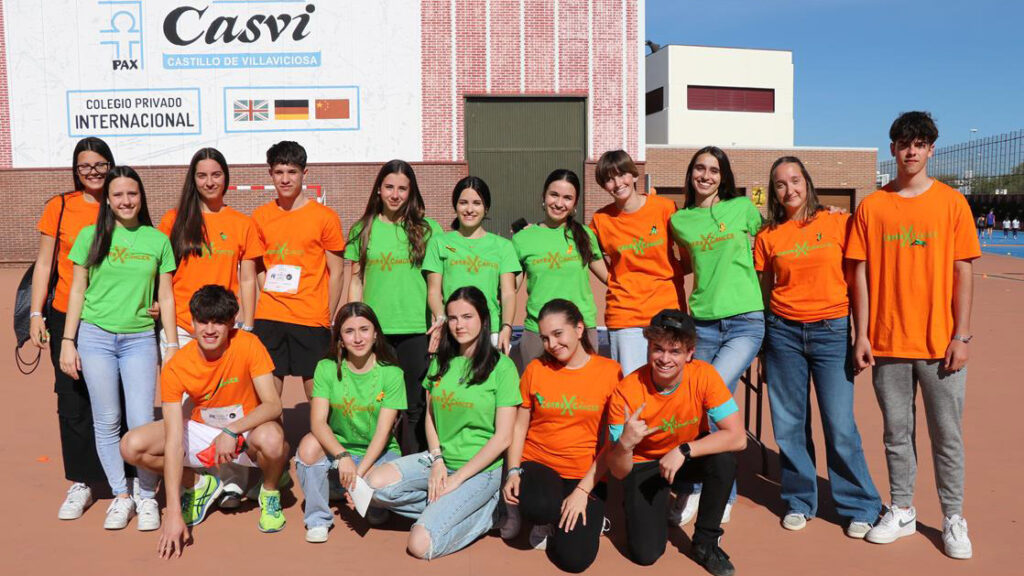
<point x="514" y="143"/>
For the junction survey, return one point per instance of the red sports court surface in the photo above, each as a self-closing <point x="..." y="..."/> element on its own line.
<point x="33" y="541"/>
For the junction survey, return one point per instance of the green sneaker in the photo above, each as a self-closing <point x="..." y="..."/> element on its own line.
<point x="199" y="499"/>
<point x="271" y="517"/>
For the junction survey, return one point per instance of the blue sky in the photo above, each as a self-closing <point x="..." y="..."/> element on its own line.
<point x="859" y="63"/>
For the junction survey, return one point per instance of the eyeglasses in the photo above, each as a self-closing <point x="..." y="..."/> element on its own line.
<point x="99" y="168"/>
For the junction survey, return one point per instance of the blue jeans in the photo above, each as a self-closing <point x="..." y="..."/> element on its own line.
<point x="315" y="481"/>
<point x="454" y="520"/>
<point x="796" y="353"/>
<point x="729" y="344"/>
<point x="628" y="348"/>
<point x="107" y="359"/>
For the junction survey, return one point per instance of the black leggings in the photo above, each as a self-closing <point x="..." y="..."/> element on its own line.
<point x="541" y="492"/>
<point x="413" y="358"/>
<point x="645" y="495"/>
<point x="74" y="413"/>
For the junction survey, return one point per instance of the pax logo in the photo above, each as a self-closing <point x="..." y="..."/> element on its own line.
<point x="122" y="33"/>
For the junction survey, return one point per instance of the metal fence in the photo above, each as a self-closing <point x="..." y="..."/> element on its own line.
<point x="991" y="165"/>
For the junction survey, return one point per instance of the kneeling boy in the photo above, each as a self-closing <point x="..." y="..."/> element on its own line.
<point x="658" y="419"/>
<point x="227" y="375"/>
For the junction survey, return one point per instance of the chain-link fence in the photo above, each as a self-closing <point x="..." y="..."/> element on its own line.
<point x="991" y="165"/>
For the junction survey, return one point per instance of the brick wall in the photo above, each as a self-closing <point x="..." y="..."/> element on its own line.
<point x="347" y="186"/>
<point x="829" y="168"/>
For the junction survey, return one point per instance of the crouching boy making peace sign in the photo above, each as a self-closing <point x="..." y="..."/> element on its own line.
<point x="665" y="442"/>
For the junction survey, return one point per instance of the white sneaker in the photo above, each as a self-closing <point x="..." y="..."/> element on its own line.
<point x="858" y="530"/>
<point x="119" y="513"/>
<point x="79" y="498"/>
<point x="896" y="523"/>
<point x="794" y="521"/>
<point x="317" y="534"/>
<point x="149" y="514"/>
<point x="512" y="524"/>
<point x="727" y="515"/>
<point x="539" y="537"/>
<point x="683" y="509"/>
<point x="954" y="537"/>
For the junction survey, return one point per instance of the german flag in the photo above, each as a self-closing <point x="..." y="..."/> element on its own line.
<point x="291" y="109"/>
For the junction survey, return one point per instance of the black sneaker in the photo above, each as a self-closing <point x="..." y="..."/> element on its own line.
<point x="713" y="559"/>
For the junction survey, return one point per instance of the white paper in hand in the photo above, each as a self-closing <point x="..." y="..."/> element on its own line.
<point x="361" y="496"/>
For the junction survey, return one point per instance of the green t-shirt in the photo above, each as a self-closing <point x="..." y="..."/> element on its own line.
<point x="554" y="269"/>
<point x="464" y="415"/>
<point x="718" y="240"/>
<point x="392" y="286"/>
<point x="356" y="401"/>
<point x="120" y="287"/>
<point x="479" y="262"/>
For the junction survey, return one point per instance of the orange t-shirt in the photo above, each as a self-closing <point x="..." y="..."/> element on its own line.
<point x="296" y="286"/>
<point x="806" y="261"/>
<point x="681" y="415"/>
<point x="910" y="245"/>
<point x="224" y="384"/>
<point x="566" y="409"/>
<point x="232" y="237"/>
<point x="643" y="276"/>
<point x="78" y="213"/>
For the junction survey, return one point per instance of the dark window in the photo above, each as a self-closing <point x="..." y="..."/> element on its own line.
<point x="655" y="101"/>
<point x="730" y="99"/>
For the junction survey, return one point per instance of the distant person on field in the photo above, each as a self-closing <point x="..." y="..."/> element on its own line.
<point x="981" y="226"/>
<point x="990" y="223"/>
<point x="1016" y="227"/>
<point x="913" y="250"/>
<point x="1006" y="227"/>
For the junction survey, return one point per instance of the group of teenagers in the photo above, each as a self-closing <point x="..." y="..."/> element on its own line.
<point x="401" y="333"/>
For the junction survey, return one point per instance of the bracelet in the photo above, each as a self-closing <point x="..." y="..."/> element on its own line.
<point x="34" y="314"/>
<point x="246" y="328"/>
<point x="503" y="324"/>
<point x="434" y="459"/>
<point x="171" y="345"/>
<point x="230" y="433"/>
<point x="435" y="452"/>
<point x="517" y="470"/>
<point x="582" y="490"/>
<point x="68" y="338"/>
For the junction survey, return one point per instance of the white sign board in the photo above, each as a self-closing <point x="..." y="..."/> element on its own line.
<point x="159" y="79"/>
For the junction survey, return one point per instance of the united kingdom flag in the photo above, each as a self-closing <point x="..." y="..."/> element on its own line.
<point x="252" y="110"/>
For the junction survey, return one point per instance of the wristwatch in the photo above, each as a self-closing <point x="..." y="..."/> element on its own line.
<point x="962" y="338"/>
<point x="685" y="449"/>
<point x="340" y="456"/>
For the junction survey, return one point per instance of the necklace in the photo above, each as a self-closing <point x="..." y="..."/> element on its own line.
<point x="134" y="235"/>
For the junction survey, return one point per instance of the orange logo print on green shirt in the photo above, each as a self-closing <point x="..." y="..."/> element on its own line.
<point x="670" y="425"/>
<point x="447" y="401"/>
<point x="473" y="264"/>
<point x="708" y="241"/>
<point x="387" y="261"/>
<point x="556" y="259"/>
<point x="910" y="237"/>
<point x="348" y="406"/>
<point x="122" y="255"/>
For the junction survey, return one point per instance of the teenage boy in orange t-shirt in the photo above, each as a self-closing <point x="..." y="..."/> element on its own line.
<point x="226" y="374"/>
<point x="658" y="418"/>
<point x="301" y="276"/>
<point x="913" y="244"/>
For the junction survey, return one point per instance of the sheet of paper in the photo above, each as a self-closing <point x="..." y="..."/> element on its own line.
<point x="362" y="496"/>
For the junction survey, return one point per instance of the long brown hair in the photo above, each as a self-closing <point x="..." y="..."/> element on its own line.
<point x="776" y="213"/>
<point x="382" y="350"/>
<point x="574" y="231"/>
<point x="572" y="315"/>
<point x="188" y="235"/>
<point x="105" y="220"/>
<point x="413" y="221"/>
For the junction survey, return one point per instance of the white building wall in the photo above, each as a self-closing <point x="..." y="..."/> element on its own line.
<point x="676" y="67"/>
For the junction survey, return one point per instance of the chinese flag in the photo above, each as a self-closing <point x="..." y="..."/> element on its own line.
<point x="331" y="109"/>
